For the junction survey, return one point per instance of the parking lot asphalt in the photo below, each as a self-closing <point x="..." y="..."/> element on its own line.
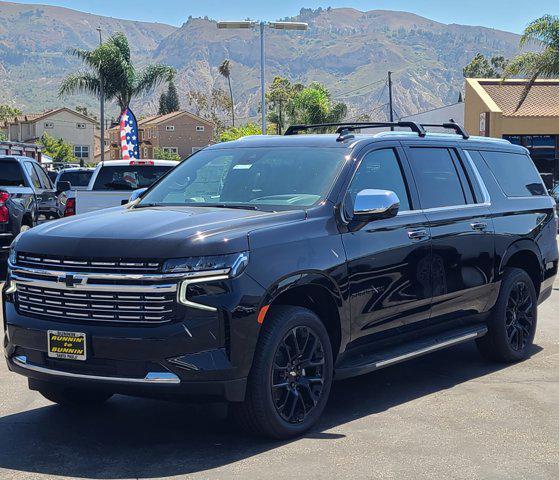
<point x="443" y="416"/>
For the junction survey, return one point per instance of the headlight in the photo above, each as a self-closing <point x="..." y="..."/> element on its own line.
<point x="210" y="268"/>
<point x="233" y="263"/>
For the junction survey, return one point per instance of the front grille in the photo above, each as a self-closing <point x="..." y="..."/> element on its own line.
<point x="88" y="265"/>
<point x="96" y="306"/>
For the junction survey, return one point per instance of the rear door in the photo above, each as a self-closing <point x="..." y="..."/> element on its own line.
<point x="388" y="259"/>
<point x="49" y="199"/>
<point x="456" y="205"/>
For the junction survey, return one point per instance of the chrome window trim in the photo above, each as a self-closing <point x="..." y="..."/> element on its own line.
<point x="166" y="378"/>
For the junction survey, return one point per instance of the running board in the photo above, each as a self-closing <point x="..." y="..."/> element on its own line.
<point x="400" y="353"/>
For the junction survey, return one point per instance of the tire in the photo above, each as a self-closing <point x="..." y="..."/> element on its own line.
<point x="302" y="382"/>
<point x="74" y="397"/>
<point x="512" y="325"/>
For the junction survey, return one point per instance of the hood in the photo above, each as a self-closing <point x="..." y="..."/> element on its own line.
<point x="158" y="232"/>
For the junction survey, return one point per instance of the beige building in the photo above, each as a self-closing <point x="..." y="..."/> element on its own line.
<point x="493" y="109"/>
<point x="180" y="132"/>
<point x="73" y="127"/>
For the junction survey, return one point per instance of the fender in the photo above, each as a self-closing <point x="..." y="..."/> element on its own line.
<point x="314" y="278"/>
<point x="517" y="246"/>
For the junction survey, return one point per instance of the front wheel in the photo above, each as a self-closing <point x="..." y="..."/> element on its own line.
<point x="291" y="376"/>
<point x="512" y="325"/>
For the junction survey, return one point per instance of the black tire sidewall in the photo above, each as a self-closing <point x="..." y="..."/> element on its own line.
<point x="497" y="327"/>
<point x="292" y="317"/>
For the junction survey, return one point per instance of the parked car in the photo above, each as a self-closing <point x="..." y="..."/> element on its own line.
<point x="27" y="182"/>
<point x="260" y="270"/>
<point x="113" y="181"/>
<point x="77" y="177"/>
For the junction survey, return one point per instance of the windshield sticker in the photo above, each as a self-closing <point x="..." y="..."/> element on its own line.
<point x="242" y="167"/>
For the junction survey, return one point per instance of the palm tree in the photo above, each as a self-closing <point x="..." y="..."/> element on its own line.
<point x="544" y="32"/>
<point x="111" y="62"/>
<point x="225" y="71"/>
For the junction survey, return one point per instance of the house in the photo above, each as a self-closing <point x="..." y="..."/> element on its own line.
<point x="180" y="132"/>
<point x="73" y="127"/>
<point x="493" y="109"/>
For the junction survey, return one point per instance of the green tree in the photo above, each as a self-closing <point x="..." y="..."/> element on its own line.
<point x="313" y="104"/>
<point x="162" y="104"/>
<point x="481" y="67"/>
<point x="111" y="62"/>
<point x="544" y="32"/>
<point x="160" y="154"/>
<point x="234" y="133"/>
<point x="172" y="98"/>
<point x="225" y="71"/>
<point x="57" y="149"/>
<point x="279" y="97"/>
<point x="7" y="112"/>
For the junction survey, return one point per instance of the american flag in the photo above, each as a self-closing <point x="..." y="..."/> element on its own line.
<point x="129" y="135"/>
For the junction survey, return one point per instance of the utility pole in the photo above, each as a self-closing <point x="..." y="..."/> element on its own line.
<point x="390" y="107"/>
<point x="262" y="81"/>
<point x="102" y="99"/>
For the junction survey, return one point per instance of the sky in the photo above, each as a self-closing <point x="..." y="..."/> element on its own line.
<point x="512" y="15"/>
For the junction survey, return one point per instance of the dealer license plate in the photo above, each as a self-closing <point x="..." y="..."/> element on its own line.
<point x="67" y="345"/>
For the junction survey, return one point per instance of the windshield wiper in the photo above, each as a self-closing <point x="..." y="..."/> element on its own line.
<point x="226" y="205"/>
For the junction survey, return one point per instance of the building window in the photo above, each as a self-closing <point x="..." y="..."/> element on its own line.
<point x="171" y="150"/>
<point x="80" y="126"/>
<point x="145" y="152"/>
<point x="200" y="128"/>
<point x="49" y="125"/>
<point x="81" y="151"/>
<point x="170" y="128"/>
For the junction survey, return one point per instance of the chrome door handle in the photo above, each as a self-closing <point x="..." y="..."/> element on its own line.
<point x="480" y="226"/>
<point x="418" y="234"/>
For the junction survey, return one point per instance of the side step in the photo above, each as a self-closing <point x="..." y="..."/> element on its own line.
<point x="366" y="363"/>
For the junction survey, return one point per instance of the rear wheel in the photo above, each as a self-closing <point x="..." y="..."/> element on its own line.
<point x="290" y="380"/>
<point x="513" y="322"/>
<point x="74" y="397"/>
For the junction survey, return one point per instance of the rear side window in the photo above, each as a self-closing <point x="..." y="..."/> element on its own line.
<point x="437" y="179"/>
<point x="515" y="173"/>
<point x="381" y="170"/>
<point x="76" y="179"/>
<point x="126" y="177"/>
<point x="33" y="174"/>
<point x="11" y="175"/>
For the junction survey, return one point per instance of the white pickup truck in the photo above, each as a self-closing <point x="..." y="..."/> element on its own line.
<point x="113" y="181"/>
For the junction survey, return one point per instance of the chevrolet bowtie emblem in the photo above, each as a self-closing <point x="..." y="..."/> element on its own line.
<point x="72" y="280"/>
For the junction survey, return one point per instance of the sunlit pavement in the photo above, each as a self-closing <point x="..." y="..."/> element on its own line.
<point x="447" y="415"/>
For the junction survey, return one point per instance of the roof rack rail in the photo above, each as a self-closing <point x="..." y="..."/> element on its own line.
<point x="459" y="129"/>
<point x="344" y="128"/>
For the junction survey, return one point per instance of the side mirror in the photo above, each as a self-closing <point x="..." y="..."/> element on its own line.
<point x="135" y="195"/>
<point x="375" y="204"/>
<point x="63" y="186"/>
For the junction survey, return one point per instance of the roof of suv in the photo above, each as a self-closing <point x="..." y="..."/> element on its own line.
<point x="351" y="141"/>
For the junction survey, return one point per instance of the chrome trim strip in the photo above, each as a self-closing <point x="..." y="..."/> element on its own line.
<point x="181" y="298"/>
<point x="117" y="276"/>
<point x="431" y="348"/>
<point x="167" y="378"/>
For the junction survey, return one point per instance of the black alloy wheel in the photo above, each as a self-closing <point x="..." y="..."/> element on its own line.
<point x="519" y="316"/>
<point x="297" y="374"/>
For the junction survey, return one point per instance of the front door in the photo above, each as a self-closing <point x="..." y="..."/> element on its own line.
<point x="388" y="259"/>
<point x="461" y="228"/>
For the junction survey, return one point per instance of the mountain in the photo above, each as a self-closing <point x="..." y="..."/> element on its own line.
<point x="348" y="50"/>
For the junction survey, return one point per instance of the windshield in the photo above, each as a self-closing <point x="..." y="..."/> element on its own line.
<point x="76" y="179"/>
<point x="250" y="177"/>
<point x="128" y="177"/>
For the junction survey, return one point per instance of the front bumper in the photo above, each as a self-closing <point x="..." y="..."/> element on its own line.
<point x="193" y="357"/>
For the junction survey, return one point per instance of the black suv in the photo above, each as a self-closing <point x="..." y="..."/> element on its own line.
<point x="259" y="270"/>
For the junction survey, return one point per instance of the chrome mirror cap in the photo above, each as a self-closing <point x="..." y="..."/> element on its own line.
<point x="373" y="202"/>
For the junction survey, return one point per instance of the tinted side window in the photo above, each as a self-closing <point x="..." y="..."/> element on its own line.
<point x="76" y="179"/>
<point x="515" y="173"/>
<point x="380" y="169"/>
<point x="11" y="175"/>
<point x="45" y="181"/>
<point x="124" y="177"/>
<point x="436" y="177"/>
<point x="33" y="174"/>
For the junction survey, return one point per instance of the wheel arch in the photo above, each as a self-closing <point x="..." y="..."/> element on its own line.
<point x="320" y="294"/>
<point x="526" y="255"/>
